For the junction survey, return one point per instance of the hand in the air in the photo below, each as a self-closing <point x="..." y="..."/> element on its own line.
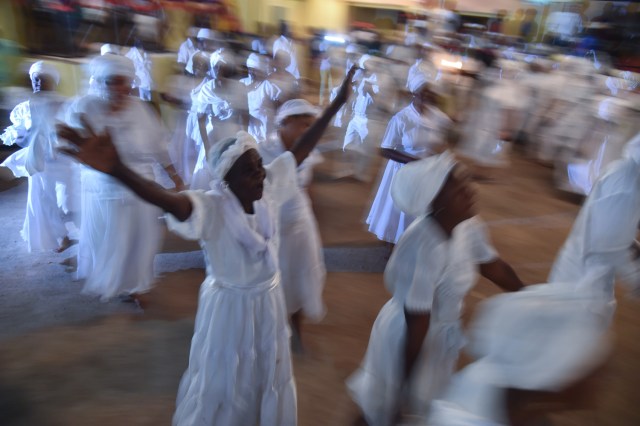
<point x="345" y="87"/>
<point x="94" y="150"/>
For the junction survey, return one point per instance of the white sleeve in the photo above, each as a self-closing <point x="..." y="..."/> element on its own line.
<point x="393" y="136"/>
<point x="425" y="280"/>
<point x="481" y="247"/>
<point x="200" y="225"/>
<point x="282" y="178"/>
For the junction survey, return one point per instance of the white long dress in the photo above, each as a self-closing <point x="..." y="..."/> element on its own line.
<point x="604" y="233"/>
<point x="193" y="141"/>
<point x="300" y="254"/>
<point x="240" y="363"/>
<point x="413" y="134"/>
<point x="48" y="173"/>
<point x="427" y="273"/>
<point x="283" y="43"/>
<point x="121" y="234"/>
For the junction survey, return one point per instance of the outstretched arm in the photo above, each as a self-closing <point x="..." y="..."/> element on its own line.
<point x="98" y="152"/>
<point x="502" y="274"/>
<point x="309" y="139"/>
<point x="398" y="156"/>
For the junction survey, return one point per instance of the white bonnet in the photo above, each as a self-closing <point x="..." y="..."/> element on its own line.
<point x="418" y="183"/>
<point x="41" y="67"/>
<point x="544" y="337"/>
<point x="224" y="153"/>
<point x="295" y="107"/>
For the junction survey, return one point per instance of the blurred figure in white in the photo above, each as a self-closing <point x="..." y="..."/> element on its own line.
<point x="364" y="128"/>
<point x="288" y="84"/>
<point x="262" y="97"/>
<point x="416" y="338"/>
<point x="142" y="62"/>
<point x="326" y="79"/>
<point x="490" y="118"/>
<point x="604" y="232"/>
<point x="284" y="43"/>
<point x="423" y="63"/>
<point x="300" y="252"/>
<point x="49" y="174"/>
<point x="417" y="131"/>
<point x="188" y="47"/>
<point x="532" y="348"/>
<point x="224" y="104"/>
<point x="615" y="119"/>
<point x="120" y="233"/>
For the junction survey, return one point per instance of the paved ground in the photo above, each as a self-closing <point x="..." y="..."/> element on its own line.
<point x="67" y="359"/>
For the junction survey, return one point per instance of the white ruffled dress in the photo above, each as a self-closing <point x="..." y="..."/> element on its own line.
<point x="239" y="369"/>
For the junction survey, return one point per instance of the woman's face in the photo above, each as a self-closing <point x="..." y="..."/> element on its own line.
<point x="117" y="89"/>
<point x="246" y="177"/>
<point x="293" y="127"/>
<point x="457" y="197"/>
<point x="41" y="82"/>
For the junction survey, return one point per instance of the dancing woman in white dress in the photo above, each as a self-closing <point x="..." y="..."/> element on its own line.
<point x="416" y="131"/>
<point x="417" y="336"/>
<point x="239" y="365"/>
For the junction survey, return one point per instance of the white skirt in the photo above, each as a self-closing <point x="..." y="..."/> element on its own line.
<point x="119" y="238"/>
<point x="44" y="226"/>
<point x="385" y="220"/>
<point x="301" y="259"/>
<point x="377" y="386"/>
<point x="239" y="370"/>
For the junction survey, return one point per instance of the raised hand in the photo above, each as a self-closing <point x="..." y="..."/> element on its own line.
<point x="345" y="87"/>
<point x="94" y="150"/>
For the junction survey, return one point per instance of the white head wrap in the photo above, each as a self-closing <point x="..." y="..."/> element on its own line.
<point x="111" y="65"/>
<point x="224" y="154"/>
<point x="544" y="337"/>
<point x="423" y="78"/>
<point x="259" y="62"/>
<point x="352" y="48"/>
<point x="109" y="49"/>
<point x="41" y="67"/>
<point x="418" y="183"/>
<point x="189" y="66"/>
<point x="206" y="34"/>
<point x="295" y="107"/>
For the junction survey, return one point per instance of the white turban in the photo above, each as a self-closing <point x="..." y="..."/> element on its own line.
<point x="224" y="153"/>
<point x="112" y="65"/>
<point x="206" y="34"/>
<point x="41" y="67"/>
<point x="418" y="80"/>
<point x="189" y="66"/>
<point x="258" y="62"/>
<point x="418" y="183"/>
<point x="109" y="49"/>
<point x="295" y="107"/>
<point x="544" y="337"/>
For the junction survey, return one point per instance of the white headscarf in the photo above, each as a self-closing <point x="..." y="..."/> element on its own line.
<point x="259" y="62"/>
<point x="206" y="34"/>
<point x="224" y="154"/>
<point x="112" y="65"/>
<point x="109" y="49"/>
<point x="295" y="107"/>
<point x="544" y="337"/>
<point x="421" y="78"/>
<point x="41" y="67"/>
<point x="418" y="183"/>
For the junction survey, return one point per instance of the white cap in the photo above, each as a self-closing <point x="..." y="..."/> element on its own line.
<point x="206" y="34"/>
<point x="224" y="153"/>
<point x="41" y="67"/>
<point x="417" y="184"/>
<point x="259" y="62"/>
<point x="295" y="107"/>
<point x="109" y="49"/>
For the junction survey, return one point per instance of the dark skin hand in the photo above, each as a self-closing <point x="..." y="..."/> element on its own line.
<point x="245" y="178"/>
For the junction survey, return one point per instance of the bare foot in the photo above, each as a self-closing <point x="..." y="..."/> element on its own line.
<point x="65" y="244"/>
